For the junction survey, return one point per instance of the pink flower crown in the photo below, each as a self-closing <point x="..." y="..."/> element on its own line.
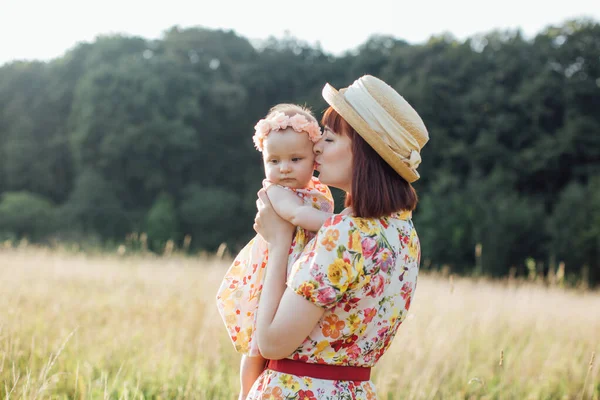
<point x="281" y="121"/>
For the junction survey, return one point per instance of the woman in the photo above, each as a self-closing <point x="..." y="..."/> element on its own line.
<point x="326" y="324"/>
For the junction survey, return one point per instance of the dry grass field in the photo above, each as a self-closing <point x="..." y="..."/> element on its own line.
<point x="77" y="326"/>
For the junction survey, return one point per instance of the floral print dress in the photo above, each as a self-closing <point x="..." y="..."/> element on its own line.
<point x="238" y="295"/>
<point x="363" y="272"/>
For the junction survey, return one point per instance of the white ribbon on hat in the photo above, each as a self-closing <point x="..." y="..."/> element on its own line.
<point x="382" y="122"/>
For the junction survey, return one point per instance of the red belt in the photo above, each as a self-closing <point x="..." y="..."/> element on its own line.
<point x="320" y="371"/>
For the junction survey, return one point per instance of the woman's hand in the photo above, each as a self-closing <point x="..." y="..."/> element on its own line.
<point x="269" y="225"/>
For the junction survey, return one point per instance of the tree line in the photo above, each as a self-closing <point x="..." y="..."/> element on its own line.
<point x="127" y="134"/>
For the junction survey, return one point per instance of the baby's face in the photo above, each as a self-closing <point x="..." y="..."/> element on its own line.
<point x="289" y="159"/>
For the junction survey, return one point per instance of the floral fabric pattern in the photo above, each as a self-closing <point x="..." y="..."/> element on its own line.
<point x="277" y="386"/>
<point x="239" y="293"/>
<point x="363" y="272"/>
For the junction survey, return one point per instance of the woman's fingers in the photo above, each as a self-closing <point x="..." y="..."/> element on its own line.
<point x="260" y="206"/>
<point x="263" y="200"/>
<point x="263" y="197"/>
<point x="256" y="225"/>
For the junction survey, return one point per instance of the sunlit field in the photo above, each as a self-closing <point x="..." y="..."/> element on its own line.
<point x="76" y="326"/>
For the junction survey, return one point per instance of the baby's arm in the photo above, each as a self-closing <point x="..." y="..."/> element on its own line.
<point x="250" y="370"/>
<point x="291" y="208"/>
<point x="309" y="218"/>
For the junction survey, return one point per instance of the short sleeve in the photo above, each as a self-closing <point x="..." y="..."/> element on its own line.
<point x="329" y="264"/>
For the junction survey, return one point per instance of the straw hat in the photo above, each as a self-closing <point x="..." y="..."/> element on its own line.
<point x="384" y="119"/>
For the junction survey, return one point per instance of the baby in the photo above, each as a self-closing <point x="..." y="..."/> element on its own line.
<point x="285" y="137"/>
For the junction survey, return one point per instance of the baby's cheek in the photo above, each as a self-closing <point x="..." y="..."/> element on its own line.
<point x="271" y="175"/>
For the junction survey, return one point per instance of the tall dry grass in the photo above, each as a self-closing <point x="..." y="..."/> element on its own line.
<point x="92" y="327"/>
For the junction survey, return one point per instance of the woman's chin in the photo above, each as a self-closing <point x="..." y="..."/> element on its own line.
<point x="320" y="175"/>
<point x="325" y="181"/>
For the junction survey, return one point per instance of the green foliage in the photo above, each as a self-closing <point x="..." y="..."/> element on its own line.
<point x="574" y="227"/>
<point x="34" y="155"/>
<point x="505" y="224"/>
<point x="125" y="134"/>
<point x="26" y="215"/>
<point x="93" y="207"/>
<point x="209" y="214"/>
<point x="162" y="224"/>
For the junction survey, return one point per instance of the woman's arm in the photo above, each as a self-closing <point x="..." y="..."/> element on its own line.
<point x="250" y="370"/>
<point x="284" y="318"/>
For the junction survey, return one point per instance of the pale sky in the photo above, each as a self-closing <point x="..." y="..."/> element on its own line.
<point x="45" y="29"/>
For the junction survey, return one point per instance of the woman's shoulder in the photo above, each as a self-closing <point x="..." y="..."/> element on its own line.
<point x="338" y="221"/>
<point x="367" y="226"/>
<point x="386" y="219"/>
<point x="371" y="226"/>
<point x="344" y="225"/>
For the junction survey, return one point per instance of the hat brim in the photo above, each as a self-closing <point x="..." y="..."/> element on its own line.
<point x="339" y="104"/>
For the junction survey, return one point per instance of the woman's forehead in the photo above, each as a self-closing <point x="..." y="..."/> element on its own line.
<point x="327" y="130"/>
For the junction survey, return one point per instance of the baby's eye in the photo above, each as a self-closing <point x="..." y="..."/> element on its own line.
<point x="328" y="140"/>
<point x="296" y="159"/>
<point x="273" y="161"/>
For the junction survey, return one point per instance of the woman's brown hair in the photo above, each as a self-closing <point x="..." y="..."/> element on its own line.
<point x="377" y="190"/>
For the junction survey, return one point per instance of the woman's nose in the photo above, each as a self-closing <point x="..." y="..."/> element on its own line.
<point x="318" y="148"/>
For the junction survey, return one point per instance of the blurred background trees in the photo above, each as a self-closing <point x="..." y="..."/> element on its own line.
<point x="132" y="135"/>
